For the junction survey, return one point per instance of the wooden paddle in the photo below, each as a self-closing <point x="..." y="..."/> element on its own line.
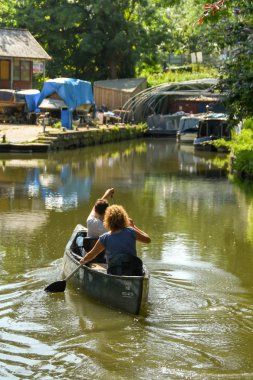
<point x="59" y="286"/>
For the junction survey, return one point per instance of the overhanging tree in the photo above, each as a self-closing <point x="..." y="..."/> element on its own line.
<point x="95" y="39"/>
<point x="232" y="23"/>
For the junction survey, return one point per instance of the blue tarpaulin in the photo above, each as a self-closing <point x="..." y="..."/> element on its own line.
<point x="31" y="97"/>
<point x="73" y="92"/>
<point x="66" y="118"/>
<point x="32" y="101"/>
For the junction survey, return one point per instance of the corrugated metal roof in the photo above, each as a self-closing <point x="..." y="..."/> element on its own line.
<point x="19" y="43"/>
<point x="126" y="85"/>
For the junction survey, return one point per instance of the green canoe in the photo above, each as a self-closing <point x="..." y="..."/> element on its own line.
<point x="127" y="293"/>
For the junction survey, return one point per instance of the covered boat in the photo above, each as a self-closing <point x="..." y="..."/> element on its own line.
<point x="127" y="293"/>
<point x="164" y="125"/>
<point x="188" y="128"/>
<point x="212" y="127"/>
<point x="66" y="95"/>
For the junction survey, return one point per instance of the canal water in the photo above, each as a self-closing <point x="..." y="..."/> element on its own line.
<point x="199" y="319"/>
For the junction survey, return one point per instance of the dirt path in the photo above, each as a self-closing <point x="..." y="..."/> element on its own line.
<point x="20" y="133"/>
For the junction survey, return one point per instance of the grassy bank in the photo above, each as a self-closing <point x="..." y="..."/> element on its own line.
<point x="241" y="147"/>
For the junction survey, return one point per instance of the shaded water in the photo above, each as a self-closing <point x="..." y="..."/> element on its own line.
<point x="199" y="320"/>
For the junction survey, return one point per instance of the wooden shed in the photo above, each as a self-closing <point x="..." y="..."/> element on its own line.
<point x="19" y="52"/>
<point x="114" y="93"/>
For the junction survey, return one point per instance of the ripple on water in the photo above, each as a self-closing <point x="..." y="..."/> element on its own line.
<point x="201" y="317"/>
<point x="193" y="330"/>
<point x="22" y="332"/>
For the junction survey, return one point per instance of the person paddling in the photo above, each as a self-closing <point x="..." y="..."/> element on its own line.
<point x="119" y="242"/>
<point x="95" y="219"/>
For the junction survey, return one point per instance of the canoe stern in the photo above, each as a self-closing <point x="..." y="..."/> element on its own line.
<point x="127" y="293"/>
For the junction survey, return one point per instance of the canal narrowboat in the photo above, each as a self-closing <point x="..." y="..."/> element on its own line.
<point x="212" y="127"/>
<point x="188" y="128"/>
<point x="163" y="125"/>
<point x="126" y="293"/>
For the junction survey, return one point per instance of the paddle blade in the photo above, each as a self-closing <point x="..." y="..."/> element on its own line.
<point x="58" y="286"/>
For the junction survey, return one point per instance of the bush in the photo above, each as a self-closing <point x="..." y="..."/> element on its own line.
<point x="243" y="163"/>
<point x="242" y="141"/>
<point x="241" y="147"/>
<point x="196" y="72"/>
<point x="57" y="125"/>
<point x="248" y="124"/>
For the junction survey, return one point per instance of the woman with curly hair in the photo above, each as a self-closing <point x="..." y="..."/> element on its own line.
<point x="119" y="242"/>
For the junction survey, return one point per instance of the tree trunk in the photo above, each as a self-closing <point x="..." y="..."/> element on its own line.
<point x="113" y="69"/>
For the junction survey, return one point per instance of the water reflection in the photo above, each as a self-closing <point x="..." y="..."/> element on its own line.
<point x="199" y="323"/>
<point x="201" y="162"/>
<point x="62" y="183"/>
<point x="57" y="185"/>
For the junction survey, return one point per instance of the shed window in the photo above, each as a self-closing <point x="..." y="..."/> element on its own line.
<point x="4" y="70"/>
<point x="21" y="70"/>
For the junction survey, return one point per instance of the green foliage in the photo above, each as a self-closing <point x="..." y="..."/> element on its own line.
<point x="94" y="39"/>
<point x="197" y="72"/>
<point x="243" y="162"/>
<point x="141" y="128"/>
<point x="115" y="128"/>
<point x="57" y="125"/>
<point x="38" y="81"/>
<point x="233" y="32"/>
<point x="248" y="124"/>
<point x="241" y="147"/>
<point x="8" y="13"/>
<point x="242" y="141"/>
<point x="221" y="143"/>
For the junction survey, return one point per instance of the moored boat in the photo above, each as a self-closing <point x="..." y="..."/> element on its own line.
<point x="164" y="125"/>
<point x="188" y="128"/>
<point x="127" y="293"/>
<point x="212" y="127"/>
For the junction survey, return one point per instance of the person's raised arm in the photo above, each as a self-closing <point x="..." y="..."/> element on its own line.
<point x="108" y="193"/>
<point x="140" y="235"/>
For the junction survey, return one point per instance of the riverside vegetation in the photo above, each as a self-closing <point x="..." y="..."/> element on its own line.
<point x="240" y="147"/>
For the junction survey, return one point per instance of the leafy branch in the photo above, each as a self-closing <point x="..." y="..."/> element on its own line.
<point x="211" y="9"/>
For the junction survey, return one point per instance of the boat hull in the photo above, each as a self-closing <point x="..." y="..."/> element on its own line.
<point x="127" y="293"/>
<point x="186" y="137"/>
